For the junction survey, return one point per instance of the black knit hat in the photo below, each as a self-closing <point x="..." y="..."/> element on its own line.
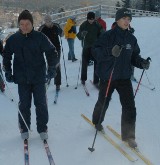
<point x="123" y="12"/>
<point x="91" y="15"/>
<point x="25" y="14"/>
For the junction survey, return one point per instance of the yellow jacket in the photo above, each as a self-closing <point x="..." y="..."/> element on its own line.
<point x="70" y="29"/>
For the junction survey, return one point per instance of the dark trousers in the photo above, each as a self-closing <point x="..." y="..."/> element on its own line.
<point x="2" y="85"/>
<point x="126" y="95"/>
<point x="57" y="79"/>
<point x="86" y="56"/>
<point x="40" y="101"/>
<point x="71" y="54"/>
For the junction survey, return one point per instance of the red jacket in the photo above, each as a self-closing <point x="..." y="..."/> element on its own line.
<point x="102" y="23"/>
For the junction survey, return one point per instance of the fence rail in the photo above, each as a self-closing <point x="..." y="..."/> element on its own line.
<point x="105" y="10"/>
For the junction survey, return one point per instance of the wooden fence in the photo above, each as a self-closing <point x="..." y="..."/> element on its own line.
<point x="105" y="10"/>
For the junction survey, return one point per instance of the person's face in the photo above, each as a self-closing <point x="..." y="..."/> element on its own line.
<point x="48" y="23"/>
<point x="25" y="26"/>
<point x="91" y="21"/>
<point x="124" y="22"/>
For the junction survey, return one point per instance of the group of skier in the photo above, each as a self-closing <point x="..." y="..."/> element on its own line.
<point x="114" y="52"/>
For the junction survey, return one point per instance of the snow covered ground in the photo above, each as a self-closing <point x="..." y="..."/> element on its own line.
<point x="69" y="135"/>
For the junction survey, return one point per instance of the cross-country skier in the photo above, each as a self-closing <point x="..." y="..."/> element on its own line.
<point x="115" y="52"/>
<point x="28" y="46"/>
<point x="89" y="31"/>
<point x="53" y="31"/>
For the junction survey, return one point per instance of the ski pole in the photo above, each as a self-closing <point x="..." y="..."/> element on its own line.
<point x="103" y="107"/>
<point x="148" y="59"/>
<point x="147" y="77"/>
<point x="13" y="99"/>
<point x="139" y="83"/>
<point x="64" y="63"/>
<point x="149" y="80"/>
<point x="80" y="63"/>
<point x="10" y="97"/>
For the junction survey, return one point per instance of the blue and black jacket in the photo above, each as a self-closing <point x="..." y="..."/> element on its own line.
<point x="27" y="51"/>
<point x="102" y="51"/>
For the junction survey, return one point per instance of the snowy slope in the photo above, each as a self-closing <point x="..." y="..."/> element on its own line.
<point x="69" y="135"/>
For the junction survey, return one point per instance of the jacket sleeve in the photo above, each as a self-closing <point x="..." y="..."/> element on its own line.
<point x="101" y="50"/>
<point x="72" y="30"/>
<point x="81" y="28"/>
<point x="136" y="59"/>
<point x="7" y="57"/>
<point x="1" y="47"/>
<point x="50" y="52"/>
<point x="59" y="30"/>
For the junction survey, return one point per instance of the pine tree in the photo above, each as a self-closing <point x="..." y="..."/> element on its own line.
<point x="126" y="3"/>
<point x="118" y="4"/>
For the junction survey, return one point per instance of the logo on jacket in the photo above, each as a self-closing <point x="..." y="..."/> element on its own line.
<point x="128" y="46"/>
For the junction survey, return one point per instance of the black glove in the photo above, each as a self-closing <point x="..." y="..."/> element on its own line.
<point x="131" y="30"/>
<point x="72" y="30"/>
<point x="9" y="77"/>
<point x="51" y="72"/>
<point x="145" y="64"/>
<point x="84" y="33"/>
<point x="116" y="50"/>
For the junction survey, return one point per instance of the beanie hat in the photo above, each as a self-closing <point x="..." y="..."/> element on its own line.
<point x="25" y="14"/>
<point x="98" y="14"/>
<point x="73" y="18"/>
<point x="47" y="18"/>
<point x="123" y="12"/>
<point x="91" y="15"/>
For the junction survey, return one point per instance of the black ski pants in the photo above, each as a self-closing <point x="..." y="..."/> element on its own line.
<point x="126" y="95"/>
<point x="57" y="79"/>
<point x="40" y="101"/>
<point x="86" y="56"/>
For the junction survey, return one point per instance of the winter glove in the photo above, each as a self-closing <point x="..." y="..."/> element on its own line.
<point x="145" y="64"/>
<point x="116" y="50"/>
<point x="9" y="77"/>
<point x="51" y="72"/>
<point x="131" y="30"/>
<point x="84" y="33"/>
<point x="72" y="30"/>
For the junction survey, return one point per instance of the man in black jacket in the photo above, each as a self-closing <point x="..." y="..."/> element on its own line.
<point x="115" y="52"/>
<point x="53" y="32"/>
<point x="29" y="71"/>
<point x="88" y="33"/>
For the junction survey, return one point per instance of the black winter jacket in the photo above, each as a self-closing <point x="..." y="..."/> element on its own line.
<point x="28" y="51"/>
<point x="102" y="51"/>
<point x="93" y="32"/>
<point x="52" y="33"/>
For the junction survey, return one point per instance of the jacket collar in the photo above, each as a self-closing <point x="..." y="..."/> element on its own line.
<point x="120" y="31"/>
<point x="27" y="34"/>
